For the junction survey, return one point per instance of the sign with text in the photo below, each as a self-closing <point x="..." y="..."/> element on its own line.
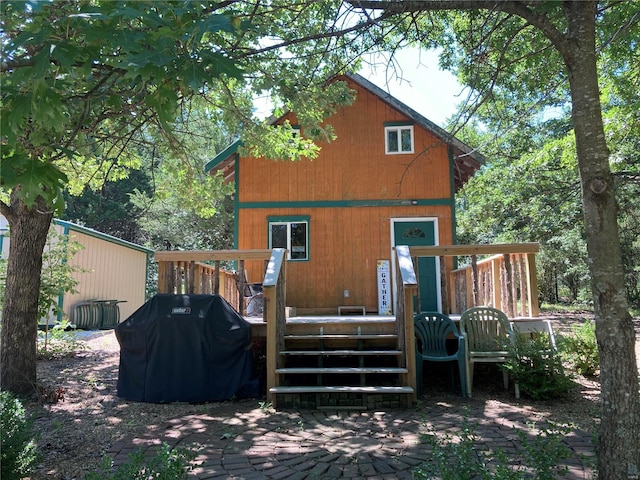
<point x="384" y="288"/>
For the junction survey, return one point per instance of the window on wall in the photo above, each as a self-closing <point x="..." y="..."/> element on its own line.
<point x="290" y="234"/>
<point x="398" y="139"/>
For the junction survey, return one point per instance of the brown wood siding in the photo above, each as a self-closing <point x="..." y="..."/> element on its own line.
<point x="355" y="165"/>
<point x="345" y="245"/>
<point x="346" y="241"/>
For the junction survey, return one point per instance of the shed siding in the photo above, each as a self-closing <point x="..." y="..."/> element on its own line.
<point x="115" y="272"/>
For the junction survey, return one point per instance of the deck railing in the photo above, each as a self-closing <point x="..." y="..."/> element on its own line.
<point x="507" y="280"/>
<point x="186" y="272"/>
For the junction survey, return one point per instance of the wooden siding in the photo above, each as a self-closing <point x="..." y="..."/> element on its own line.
<point x="350" y="193"/>
<point x="116" y="272"/>
<point x="345" y="245"/>
<point x="354" y="166"/>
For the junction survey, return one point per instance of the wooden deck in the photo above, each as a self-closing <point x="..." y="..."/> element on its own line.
<point x="361" y="356"/>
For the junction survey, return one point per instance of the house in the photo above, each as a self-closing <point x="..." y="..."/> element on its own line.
<point x="110" y="270"/>
<point x="389" y="178"/>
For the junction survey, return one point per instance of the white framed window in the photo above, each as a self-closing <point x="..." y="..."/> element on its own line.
<point x="292" y="234"/>
<point x="398" y="139"/>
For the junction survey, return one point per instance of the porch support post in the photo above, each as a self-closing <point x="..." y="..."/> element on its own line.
<point x="409" y="287"/>
<point x="274" y="291"/>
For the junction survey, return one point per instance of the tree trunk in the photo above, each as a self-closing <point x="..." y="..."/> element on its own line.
<point x="28" y="229"/>
<point x="619" y="442"/>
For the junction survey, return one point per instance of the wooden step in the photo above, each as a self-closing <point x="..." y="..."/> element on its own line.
<point x="332" y="370"/>
<point x="340" y="389"/>
<point x="345" y="353"/>
<point x="354" y="336"/>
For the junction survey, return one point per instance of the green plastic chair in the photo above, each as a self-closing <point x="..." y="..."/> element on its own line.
<point x="432" y="330"/>
<point x="488" y="338"/>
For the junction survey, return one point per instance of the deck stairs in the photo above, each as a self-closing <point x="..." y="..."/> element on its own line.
<point x="341" y="362"/>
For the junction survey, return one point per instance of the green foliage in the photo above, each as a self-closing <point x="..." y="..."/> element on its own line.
<point x="165" y="464"/>
<point x="58" y="342"/>
<point x="18" y="452"/>
<point x="580" y="348"/>
<point x="109" y="209"/>
<point x="36" y="178"/>
<point x="57" y="276"/>
<point x="538" y="368"/>
<point x="455" y="458"/>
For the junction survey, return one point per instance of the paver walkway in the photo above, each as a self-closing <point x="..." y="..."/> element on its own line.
<point x="243" y="441"/>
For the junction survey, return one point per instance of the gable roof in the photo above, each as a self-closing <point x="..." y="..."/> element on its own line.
<point x="466" y="159"/>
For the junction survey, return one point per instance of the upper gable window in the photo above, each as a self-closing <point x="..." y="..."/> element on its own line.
<point x="398" y="139"/>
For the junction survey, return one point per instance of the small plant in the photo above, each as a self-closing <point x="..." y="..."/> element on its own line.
<point x="58" y="342"/>
<point x="580" y="349"/>
<point x="266" y="407"/>
<point x="166" y="464"/>
<point x="537" y="368"/>
<point x="18" y="446"/>
<point x="458" y="458"/>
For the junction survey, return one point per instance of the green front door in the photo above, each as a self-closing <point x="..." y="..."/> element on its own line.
<point x="421" y="233"/>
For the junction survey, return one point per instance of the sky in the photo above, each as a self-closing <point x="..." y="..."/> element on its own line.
<point x="418" y="82"/>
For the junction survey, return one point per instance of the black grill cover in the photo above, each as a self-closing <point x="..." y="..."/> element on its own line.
<point x="185" y="348"/>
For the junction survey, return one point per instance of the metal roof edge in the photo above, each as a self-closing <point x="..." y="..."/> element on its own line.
<point x="104" y="236"/>
<point x="223" y="155"/>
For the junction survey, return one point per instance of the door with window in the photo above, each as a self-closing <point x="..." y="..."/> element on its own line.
<point x="421" y="232"/>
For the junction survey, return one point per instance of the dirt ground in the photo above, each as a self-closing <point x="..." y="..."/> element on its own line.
<point x="85" y="417"/>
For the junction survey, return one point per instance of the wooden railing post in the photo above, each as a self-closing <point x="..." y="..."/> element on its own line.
<point x="216" y="278"/>
<point x="273" y="289"/>
<point x="475" y="282"/>
<point x="408" y="282"/>
<point x="532" y="285"/>
<point x="162" y="277"/>
<point x="496" y="297"/>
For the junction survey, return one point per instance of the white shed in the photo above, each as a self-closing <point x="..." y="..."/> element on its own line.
<point x="114" y="270"/>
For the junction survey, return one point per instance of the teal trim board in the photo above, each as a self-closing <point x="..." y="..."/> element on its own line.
<point x="236" y="206"/>
<point x="223" y="155"/>
<point x="399" y="124"/>
<point x="347" y="203"/>
<point x="452" y="187"/>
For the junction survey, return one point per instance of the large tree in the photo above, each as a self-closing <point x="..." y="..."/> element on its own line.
<point x="85" y="84"/>
<point x="527" y="46"/>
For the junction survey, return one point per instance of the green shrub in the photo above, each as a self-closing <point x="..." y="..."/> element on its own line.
<point x="18" y="447"/>
<point x="58" y="342"/>
<point x="459" y="458"/>
<point x="580" y="348"/>
<point x="166" y="464"/>
<point x="537" y="368"/>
